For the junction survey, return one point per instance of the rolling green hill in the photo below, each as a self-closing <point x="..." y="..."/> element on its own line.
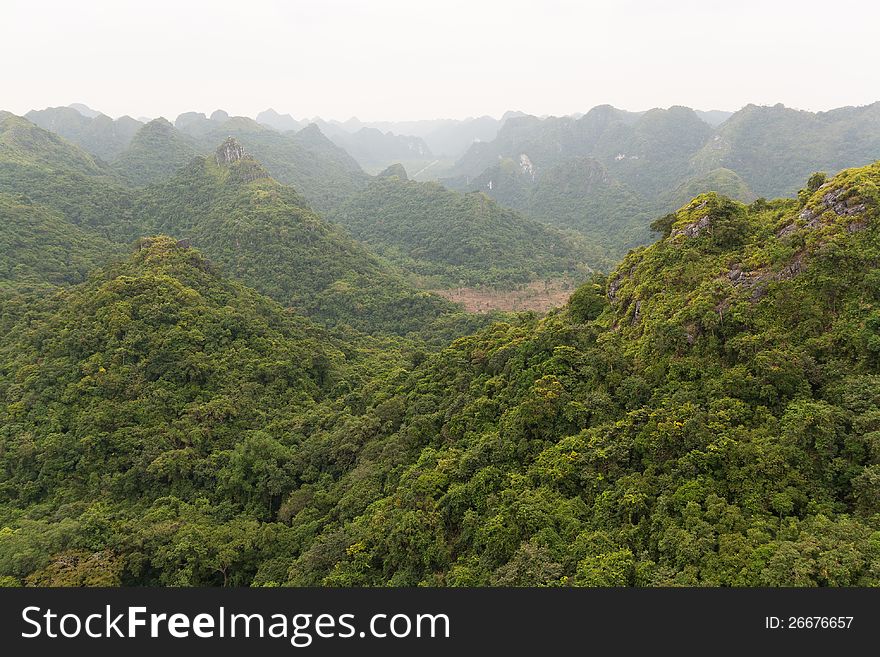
<point x="448" y="239"/>
<point x="157" y="151"/>
<point x="309" y="162"/>
<point x="99" y="135"/>
<point x="264" y="234"/>
<point x="708" y="414"/>
<point x="774" y="148"/>
<point x="653" y="161"/>
<point x="45" y="169"/>
<point x="37" y="245"/>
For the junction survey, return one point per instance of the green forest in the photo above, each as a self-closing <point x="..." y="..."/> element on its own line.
<point x="223" y="366"/>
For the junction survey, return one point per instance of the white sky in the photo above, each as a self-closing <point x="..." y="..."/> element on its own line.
<point x="412" y="59"/>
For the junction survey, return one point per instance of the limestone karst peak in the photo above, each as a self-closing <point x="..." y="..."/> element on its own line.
<point x="230" y="151"/>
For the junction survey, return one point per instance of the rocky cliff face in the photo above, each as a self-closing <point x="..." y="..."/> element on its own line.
<point x="229" y="151"/>
<point x="242" y="165"/>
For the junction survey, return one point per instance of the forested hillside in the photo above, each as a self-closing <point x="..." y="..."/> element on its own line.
<point x="141" y="154"/>
<point x="775" y="148"/>
<point x="707" y="414"/>
<point x="452" y="239"/>
<point x="38" y="245"/>
<point x="309" y="162"/>
<point x="66" y="212"/>
<point x="646" y="164"/>
<point x="98" y="134"/>
<point x="265" y="235"/>
<point x="45" y="169"/>
<point x="155" y="152"/>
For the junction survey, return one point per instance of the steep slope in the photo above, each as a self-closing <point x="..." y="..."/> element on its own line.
<point x="197" y="125"/>
<point x="280" y="122"/>
<point x="318" y="169"/>
<point x="155" y="152"/>
<point x="264" y="234"/>
<point x="655" y="153"/>
<point x="662" y="157"/>
<point x="374" y="149"/>
<point x="98" y="134"/>
<point x="722" y="181"/>
<point x="580" y="194"/>
<point x="38" y="246"/>
<point x="45" y="169"/>
<point x="149" y="385"/>
<point x="706" y="416"/>
<point x="446" y="138"/>
<point x="602" y="174"/>
<point x="714" y="117"/>
<point x="455" y="239"/>
<point x="774" y="148"/>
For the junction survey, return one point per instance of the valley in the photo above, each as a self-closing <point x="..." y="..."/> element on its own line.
<point x="536" y="296"/>
<point x="606" y="349"/>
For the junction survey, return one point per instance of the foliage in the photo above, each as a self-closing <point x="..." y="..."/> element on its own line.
<point x="157" y="151"/>
<point x="42" y="168"/>
<point x="265" y="235"/>
<point x="99" y="135"/>
<point x="37" y="245"/>
<point x="706" y="415"/>
<point x="453" y="239"/>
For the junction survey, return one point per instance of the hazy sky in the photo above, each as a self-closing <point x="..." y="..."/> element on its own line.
<point x="409" y="59"/>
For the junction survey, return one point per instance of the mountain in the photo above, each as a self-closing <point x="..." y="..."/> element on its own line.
<point x="649" y="149"/>
<point x="45" y="169"/>
<point x="581" y="195"/>
<point x="706" y="415"/>
<point x="447" y="138"/>
<point x="453" y="239"/>
<point x="39" y="246"/>
<point x="774" y="148"/>
<point x="722" y="181"/>
<point x="396" y="170"/>
<point x="194" y="124"/>
<point x="173" y="375"/>
<point x="280" y="122"/>
<point x="155" y="153"/>
<point x="652" y="162"/>
<point x="714" y="117"/>
<point x="374" y="149"/>
<point x="265" y="235"/>
<point x="318" y="169"/>
<point x="85" y="110"/>
<point x="95" y="132"/>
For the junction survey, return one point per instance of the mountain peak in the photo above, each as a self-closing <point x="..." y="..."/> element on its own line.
<point x="230" y="151"/>
<point x="85" y="110"/>
<point x="393" y="170"/>
<point x="232" y="156"/>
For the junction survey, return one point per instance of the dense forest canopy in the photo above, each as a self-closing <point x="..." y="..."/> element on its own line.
<point x="264" y="234"/>
<point x="608" y="172"/>
<point x="455" y="239"/>
<point x="67" y="212"/>
<point x="705" y="414"/>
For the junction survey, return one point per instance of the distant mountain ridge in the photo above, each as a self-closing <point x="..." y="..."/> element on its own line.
<point x="455" y="239"/>
<point x="655" y="160"/>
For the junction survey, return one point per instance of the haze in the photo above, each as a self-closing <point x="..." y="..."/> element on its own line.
<point x="403" y="59"/>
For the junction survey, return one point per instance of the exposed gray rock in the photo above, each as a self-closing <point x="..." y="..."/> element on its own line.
<point x="229" y="151"/>
<point x="637" y="312"/>
<point x="837" y="202"/>
<point x="785" y="231"/>
<point x="857" y="226"/>
<point x="694" y="228"/>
